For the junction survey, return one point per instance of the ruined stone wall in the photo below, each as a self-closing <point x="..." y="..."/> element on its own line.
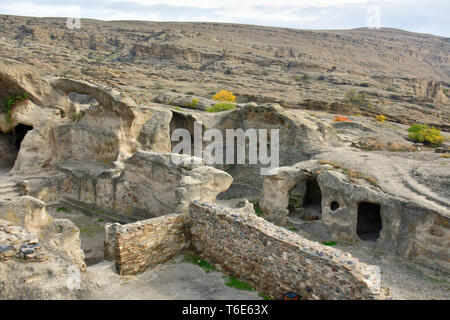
<point x="276" y="261"/>
<point x="150" y="242"/>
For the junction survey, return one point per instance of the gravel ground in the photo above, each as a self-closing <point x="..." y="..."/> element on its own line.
<point x="405" y="280"/>
<point x="174" y="280"/>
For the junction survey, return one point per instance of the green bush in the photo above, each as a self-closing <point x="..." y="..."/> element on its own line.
<point x="425" y="134"/>
<point x="11" y="101"/>
<point x="219" y="107"/>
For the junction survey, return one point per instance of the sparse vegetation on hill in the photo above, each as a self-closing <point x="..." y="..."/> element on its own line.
<point x="359" y="100"/>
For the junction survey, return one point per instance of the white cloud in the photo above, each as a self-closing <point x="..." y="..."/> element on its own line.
<point x="212" y="4"/>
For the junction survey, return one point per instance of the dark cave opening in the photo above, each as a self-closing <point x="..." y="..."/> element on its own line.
<point x="181" y="121"/>
<point x="20" y="132"/>
<point x="10" y="143"/>
<point x="305" y="201"/>
<point x="369" y="222"/>
<point x="313" y="195"/>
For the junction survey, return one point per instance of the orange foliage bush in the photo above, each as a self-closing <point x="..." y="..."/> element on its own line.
<point x="341" y="118"/>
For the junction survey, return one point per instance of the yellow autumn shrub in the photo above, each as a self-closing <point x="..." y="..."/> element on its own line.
<point x="224" y="95"/>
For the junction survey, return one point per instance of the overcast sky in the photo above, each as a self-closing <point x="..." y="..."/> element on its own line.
<point x="426" y="16"/>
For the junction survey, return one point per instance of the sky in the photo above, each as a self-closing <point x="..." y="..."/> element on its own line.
<point x="426" y="16"/>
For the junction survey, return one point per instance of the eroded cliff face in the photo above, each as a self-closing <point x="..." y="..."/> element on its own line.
<point x="429" y="89"/>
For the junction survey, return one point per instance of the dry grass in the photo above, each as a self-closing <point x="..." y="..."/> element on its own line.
<point x="333" y="164"/>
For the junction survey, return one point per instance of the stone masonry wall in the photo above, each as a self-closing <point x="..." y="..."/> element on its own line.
<point x="277" y="261"/>
<point x="146" y="243"/>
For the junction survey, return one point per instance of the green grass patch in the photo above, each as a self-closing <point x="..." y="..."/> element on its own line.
<point x="294" y="202"/>
<point x="293" y="229"/>
<point x="264" y="296"/>
<point x="194" y="103"/>
<point x="232" y="282"/>
<point x="436" y="280"/>
<point x="64" y="209"/>
<point x="219" y="107"/>
<point x="329" y="243"/>
<point x="192" y="258"/>
<point x="112" y="56"/>
<point x="77" y="116"/>
<point x="256" y="207"/>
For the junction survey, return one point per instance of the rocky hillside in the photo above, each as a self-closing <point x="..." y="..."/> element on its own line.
<point x="400" y="74"/>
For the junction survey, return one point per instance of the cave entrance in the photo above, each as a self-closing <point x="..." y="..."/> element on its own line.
<point x="369" y="221"/>
<point x="313" y="195"/>
<point x="20" y="132"/>
<point x="10" y="143"/>
<point x="305" y="201"/>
